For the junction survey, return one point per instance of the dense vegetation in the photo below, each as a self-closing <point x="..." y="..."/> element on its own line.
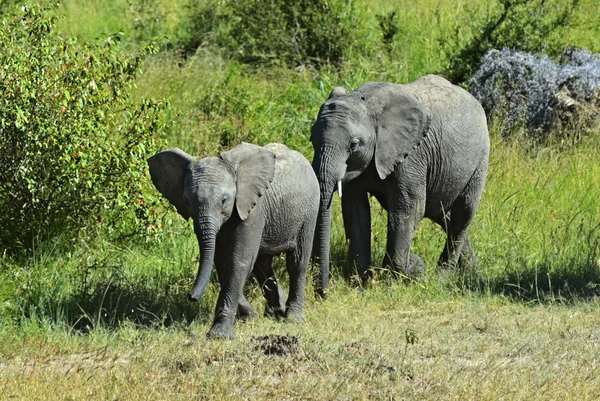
<point x="74" y="146"/>
<point x="91" y="258"/>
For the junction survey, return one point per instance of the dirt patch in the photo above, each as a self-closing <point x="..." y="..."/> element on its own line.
<point x="275" y="344"/>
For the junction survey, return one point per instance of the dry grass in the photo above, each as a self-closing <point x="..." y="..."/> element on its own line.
<point x="386" y="343"/>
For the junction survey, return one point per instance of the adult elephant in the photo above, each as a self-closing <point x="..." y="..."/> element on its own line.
<point x="247" y="205"/>
<point x="421" y="149"/>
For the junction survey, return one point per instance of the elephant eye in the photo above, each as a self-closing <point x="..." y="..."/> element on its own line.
<point x="354" y="144"/>
<point x="224" y="200"/>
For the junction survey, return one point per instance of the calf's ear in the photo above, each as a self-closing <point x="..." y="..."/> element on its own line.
<point x="255" y="169"/>
<point x="167" y="170"/>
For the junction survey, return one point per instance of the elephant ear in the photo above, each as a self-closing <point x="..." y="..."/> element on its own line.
<point x="255" y="169"/>
<point x="337" y="91"/>
<point x="401" y="126"/>
<point x="167" y="170"/>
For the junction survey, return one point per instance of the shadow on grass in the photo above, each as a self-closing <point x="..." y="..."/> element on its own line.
<point x="546" y="281"/>
<point x="102" y="296"/>
<point x="342" y="267"/>
<point x="551" y="280"/>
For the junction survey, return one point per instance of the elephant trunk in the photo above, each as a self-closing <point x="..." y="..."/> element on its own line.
<point x="206" y="232"/>
<point x="321" y="245"/>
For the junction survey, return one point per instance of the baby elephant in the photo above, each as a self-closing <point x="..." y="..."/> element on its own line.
<point x="248" y="205"/>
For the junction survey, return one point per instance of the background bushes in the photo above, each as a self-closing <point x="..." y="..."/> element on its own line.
<point x="534" y="26"/>
<point x="279" y="32"/>
<point x="73" y="142"/>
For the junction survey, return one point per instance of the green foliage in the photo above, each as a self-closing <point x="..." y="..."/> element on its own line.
<point x="534" y="26"/>
<point x="389" y="26"/>
<point x="271" y="32"/>
<point x="201" y="27"/>
<point x="73" y="144"/>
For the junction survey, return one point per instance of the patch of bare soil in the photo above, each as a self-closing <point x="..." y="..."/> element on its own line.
<point x="275" y="344"/>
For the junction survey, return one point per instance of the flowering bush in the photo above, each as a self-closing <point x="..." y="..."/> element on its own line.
<point x="538" y="93"/>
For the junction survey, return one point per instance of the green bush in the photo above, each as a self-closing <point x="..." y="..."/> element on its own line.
<point x="315" y="32"/>
<point x="73" y="143"/>
<point x="533" y="26"/>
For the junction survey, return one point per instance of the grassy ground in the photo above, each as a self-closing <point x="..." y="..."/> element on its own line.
<point x="111" y="321"/>
<point x="391" y="342"/>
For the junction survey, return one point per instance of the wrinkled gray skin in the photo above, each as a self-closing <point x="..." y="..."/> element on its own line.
<point x="247" y="205"/>
<point x="421" y="149"/>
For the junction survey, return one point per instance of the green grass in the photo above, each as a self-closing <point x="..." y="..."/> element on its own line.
<point x="100" y="320"/>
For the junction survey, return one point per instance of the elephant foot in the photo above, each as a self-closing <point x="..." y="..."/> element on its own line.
<point x="293" y="316"/>
<point x="365" y="276"/>
<point x="220" y="332"/>
<point x="274" y="313"/>
<point x="415" y="266"/>
<point x="245" y="310"/>
<point x="321" y="293"/>
<point x="413" y="269"/>
<point x="468" y="262"/>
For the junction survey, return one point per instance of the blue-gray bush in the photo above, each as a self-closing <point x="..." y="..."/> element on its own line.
<point x="538" y="93"/>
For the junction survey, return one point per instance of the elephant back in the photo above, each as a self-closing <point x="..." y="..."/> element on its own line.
<point x="443" y="98"/>
<point x="294" y="185"/>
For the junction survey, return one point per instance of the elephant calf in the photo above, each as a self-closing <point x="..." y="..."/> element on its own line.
<point x="421" y="149"/>
<point x="248" y="205"/>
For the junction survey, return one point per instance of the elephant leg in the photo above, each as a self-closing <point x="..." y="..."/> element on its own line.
<point x="458" y="221"/>
<point x="357" y="224"/>
<point x="401" y="229"/>
<point x="297" y="265"/>
<point x="402" y="222"/>
<point x="244" y="310"/>
<point x="239" y="261"/>
<point x="268" y="283"/>
<point x="467" y="259"/>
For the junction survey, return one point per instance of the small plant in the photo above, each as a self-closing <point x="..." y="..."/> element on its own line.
<point x="6" y="5"/>
<point x="73" y="143"/>
<point x="534" y="26"/>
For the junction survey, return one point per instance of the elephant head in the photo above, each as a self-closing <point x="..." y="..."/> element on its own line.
<point x="377" y="123"/>
<point x="210" y="191"/>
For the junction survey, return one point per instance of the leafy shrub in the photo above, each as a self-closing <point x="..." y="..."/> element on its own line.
<point x="534" y="26"/>
<point x="388" y="25"/>
<point x="313" y="32"/>
<point x="538" y="93"/>
<point x="201" y="27"/>
<point x="73" y="144"/>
